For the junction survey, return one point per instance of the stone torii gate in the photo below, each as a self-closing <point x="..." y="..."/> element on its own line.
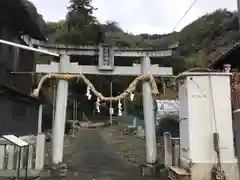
<point x="106" y="66"/>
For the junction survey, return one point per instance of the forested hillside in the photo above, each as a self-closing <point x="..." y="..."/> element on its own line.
<point x="197" y="43"/>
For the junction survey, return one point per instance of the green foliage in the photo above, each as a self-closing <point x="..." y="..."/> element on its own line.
<point x="80" y="26"/>
<point x="204" y="30"/>
<point x="80" y="14"/>
<point x="169" y="124"/>
<point x="135" y="107"/>
<point x="206" y="35"/>
<point x="195" y="43"/>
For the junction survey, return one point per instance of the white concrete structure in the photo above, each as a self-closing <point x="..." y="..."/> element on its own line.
<point x="205" y="108"/>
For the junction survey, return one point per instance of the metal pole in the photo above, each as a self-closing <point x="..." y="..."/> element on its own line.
<point x="76" y="116"/>
<point x="125" y="111"/>
<point x="73" y="118"/>
<point x="40" y="111"/>
<point x="60" y="115"/>
<point x="28" y="48"/>
<point x="110" y="116"/>
<point x="54" y="105"/>
<point x="238" y="7"/>
<point x="148" y="111"/>
<point x="73" y="110"/>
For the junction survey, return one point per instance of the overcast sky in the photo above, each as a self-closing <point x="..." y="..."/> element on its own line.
<point x="139" y="16"/>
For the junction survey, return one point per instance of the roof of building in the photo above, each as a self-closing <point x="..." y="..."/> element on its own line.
<point x="224" y="55"/>
<point x="21" y="96"/>
<point x="16" y="14"/>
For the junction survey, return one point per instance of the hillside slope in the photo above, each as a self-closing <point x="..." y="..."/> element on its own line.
<point x="198" y="43"/>
<point x="202" y="40"/>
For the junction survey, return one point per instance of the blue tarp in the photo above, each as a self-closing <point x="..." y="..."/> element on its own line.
<point x="167" y="107"/>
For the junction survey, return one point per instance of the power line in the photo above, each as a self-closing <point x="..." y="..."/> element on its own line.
<point x="184" y="15"/>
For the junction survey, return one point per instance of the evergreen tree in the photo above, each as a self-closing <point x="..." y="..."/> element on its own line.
<point x="80" y="14"/>
<point x="81" y="27"/>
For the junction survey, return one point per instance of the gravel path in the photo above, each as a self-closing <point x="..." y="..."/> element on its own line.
<point x="130" y="147"/>
<point x="94" y="159"/>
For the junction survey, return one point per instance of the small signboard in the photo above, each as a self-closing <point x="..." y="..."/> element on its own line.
<point x="15" y="140"/>
<point x="21" y="144"/>
<point x="106" y="58"/>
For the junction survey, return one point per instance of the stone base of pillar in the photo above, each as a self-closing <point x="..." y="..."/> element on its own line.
<point x="58" y="170"/>
<point x="150" y="169"/>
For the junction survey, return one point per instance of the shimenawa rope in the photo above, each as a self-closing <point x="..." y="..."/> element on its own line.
<point x="131" y="88"/>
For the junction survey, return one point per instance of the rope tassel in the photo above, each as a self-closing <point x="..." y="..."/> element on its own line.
<point x="119" y="108"/>
<point x="88" y="93"/>
<point x="131" y="96"/>
<point x="98" y="105"/>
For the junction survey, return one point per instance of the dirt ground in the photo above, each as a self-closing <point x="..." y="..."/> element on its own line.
<point x="103" y="153"/>
<point x="130" y="147"/>
<point x="69" y="150"/>
<point x="81" y="152"/>
<point x="94" y="151"/>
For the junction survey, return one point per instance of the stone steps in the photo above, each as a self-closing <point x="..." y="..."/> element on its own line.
<point x="178" y="173"/>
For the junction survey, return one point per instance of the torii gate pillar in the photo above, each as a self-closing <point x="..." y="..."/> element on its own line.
<point x="148" y="111"/>
<point x="149" y="121"/>
<point x="60" y="115"/>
